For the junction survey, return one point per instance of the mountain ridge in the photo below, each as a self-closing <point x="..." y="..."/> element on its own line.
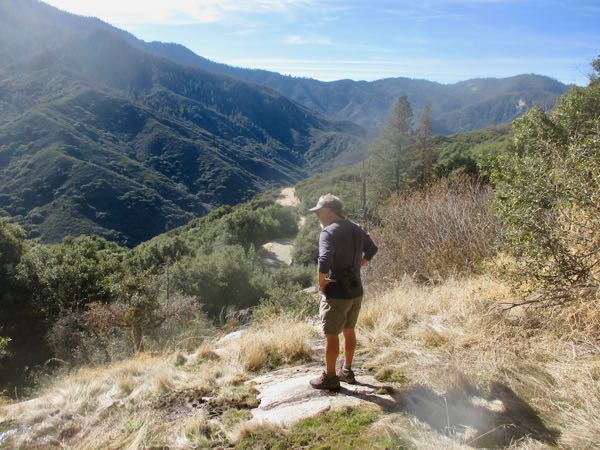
<point x="82" y="101"/>
<point x="378" y="96"/>
<point x="170" y="141"/>
<point x="369" y="103"/>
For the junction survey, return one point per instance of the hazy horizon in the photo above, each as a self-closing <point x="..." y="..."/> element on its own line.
<point x="446" y="41"/>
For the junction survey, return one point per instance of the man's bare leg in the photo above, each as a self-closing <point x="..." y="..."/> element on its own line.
<point x="332" y="350"/>
<point x="349" y="346"/>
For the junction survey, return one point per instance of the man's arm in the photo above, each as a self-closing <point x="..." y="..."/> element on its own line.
<point x="369" y="248"/>
<point x="324" y="262"/>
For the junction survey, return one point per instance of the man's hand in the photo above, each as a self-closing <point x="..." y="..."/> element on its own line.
<point x="324" y="281"/>
<point x="364" y="262"/>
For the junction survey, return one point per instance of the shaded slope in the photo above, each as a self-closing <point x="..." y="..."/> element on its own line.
<point x="99" y="137"/>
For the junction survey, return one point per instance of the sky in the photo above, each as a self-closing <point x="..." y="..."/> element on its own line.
<point x="438" y="40"/>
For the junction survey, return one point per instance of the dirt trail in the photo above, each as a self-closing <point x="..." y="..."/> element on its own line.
<point x="287" y="197"/>
<point x="279" y="251"/>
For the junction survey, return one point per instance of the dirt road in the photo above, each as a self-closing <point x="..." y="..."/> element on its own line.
<point x="287" y="197"/>
<point x="279" y="251"/>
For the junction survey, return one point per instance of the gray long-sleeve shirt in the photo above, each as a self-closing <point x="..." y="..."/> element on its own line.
<point x="342" y="245"/>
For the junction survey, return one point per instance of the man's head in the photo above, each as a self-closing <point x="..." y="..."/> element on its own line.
<point x="329" y="209"/>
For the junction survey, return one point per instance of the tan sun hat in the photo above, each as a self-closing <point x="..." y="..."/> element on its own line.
<point x="329" y="201"/>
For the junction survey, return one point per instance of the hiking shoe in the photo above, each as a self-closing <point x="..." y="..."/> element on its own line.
<point x="347" y="376"/>
<point x="325" y="381"/>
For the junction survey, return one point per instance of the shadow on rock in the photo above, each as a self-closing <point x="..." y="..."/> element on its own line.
<point x="270" y="258"/>
<point x="483" y="420"/>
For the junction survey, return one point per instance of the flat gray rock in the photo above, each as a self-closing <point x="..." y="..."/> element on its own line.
<point x="287" y="397"/>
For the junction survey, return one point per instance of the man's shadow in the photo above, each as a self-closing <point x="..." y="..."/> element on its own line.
<point x="458" y="409"/>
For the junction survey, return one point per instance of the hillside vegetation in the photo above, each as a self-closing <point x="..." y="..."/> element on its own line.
<point x="87" y="300"/>
<point x="100" y="137"/>
<point x="459" y="107"/>
<point x="101" y="131"/>
<point x="480" y="328"/>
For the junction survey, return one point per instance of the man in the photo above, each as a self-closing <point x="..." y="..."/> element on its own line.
<point x="344" y="247"/>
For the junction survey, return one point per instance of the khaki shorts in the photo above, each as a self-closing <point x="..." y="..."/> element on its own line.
<point x="339" y="313"/>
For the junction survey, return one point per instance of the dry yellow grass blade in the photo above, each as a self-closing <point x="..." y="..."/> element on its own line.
<point x="464" y="374"/>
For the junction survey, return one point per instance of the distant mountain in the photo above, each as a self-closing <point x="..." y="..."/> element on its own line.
<point x="464" y="106"/>
<point x="100" y="137"/>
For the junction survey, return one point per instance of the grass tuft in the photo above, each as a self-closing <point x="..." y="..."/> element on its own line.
<point x="268" y="345"/>
<point x="391" y="375"/>
<point x="342" y="429"/>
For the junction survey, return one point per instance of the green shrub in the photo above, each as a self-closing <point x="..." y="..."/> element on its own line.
<point x="4" y="341"/>
<point x="250" y="224"/>
<point x="306" y="243"/>
<point x="296" y="275"/>
<point x="289" y="301"/>
<point x="228" y="278"/>
<point x="66" y="276"/>
<point x="247" y="227"/>
<point x="345" y="183"/>
<point x="141" y="309"/>
<point x="548" y="192"/>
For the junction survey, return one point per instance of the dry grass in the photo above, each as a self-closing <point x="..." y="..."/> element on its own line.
<point x="454" y="338"/>
<point x="444" y="229"/>
<point x="115" y="406"/>
<point x="464" y="374"/>
<point x="142" y="402"/>
<point x="270" y="344"/>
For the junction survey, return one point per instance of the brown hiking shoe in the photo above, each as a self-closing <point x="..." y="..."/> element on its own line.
<point x="325" y="381"/>
<point x="347" y="376"/>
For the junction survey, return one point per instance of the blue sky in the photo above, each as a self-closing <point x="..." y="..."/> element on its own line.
<point x="439" y="40"/>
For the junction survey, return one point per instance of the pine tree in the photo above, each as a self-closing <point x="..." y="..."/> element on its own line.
<point x="389" y="161"/>
<point x="423" y="156"/>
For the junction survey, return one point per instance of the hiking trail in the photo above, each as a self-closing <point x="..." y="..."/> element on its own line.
<point x="279" y="251"/>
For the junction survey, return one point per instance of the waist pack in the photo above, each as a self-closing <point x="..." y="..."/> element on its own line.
<point x="348" y="279"/>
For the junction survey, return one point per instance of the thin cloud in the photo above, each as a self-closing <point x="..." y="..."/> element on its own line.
<point x="176" y="12"/>
<point x="421" y="13"/>
<point x="307" y="40"/>
<point x="434" y="69"/>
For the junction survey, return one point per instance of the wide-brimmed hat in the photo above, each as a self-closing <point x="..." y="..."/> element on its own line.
<point x="329" y="201"/>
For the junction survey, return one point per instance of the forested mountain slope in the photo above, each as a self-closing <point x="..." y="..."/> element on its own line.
<point x="99" y="137"/>
<point x="458" y="107"/>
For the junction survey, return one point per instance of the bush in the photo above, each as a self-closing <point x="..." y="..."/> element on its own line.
<point x="548" y="193"/>
<point x="296" y="275"/>
<point x="185" y="325"/>
<point x="103" y="332"/>
<point x="229" y="278"/>
<point x="4" y="341"/>
<point x="138" y="295"/>
<point x="20" y="334"/>
<point x="66" y="276"/>
<point x="438" y="231"/>
<point x="93" y="336"/>
<point x="247" y="225"/>
<point x="291" y="302"/>
<point x="306" y="244"/>
<point x="244" y="226"/>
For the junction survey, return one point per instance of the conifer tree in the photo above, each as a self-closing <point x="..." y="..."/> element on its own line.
<point x="389" y="161"/>
<point x="423" y="156"/>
